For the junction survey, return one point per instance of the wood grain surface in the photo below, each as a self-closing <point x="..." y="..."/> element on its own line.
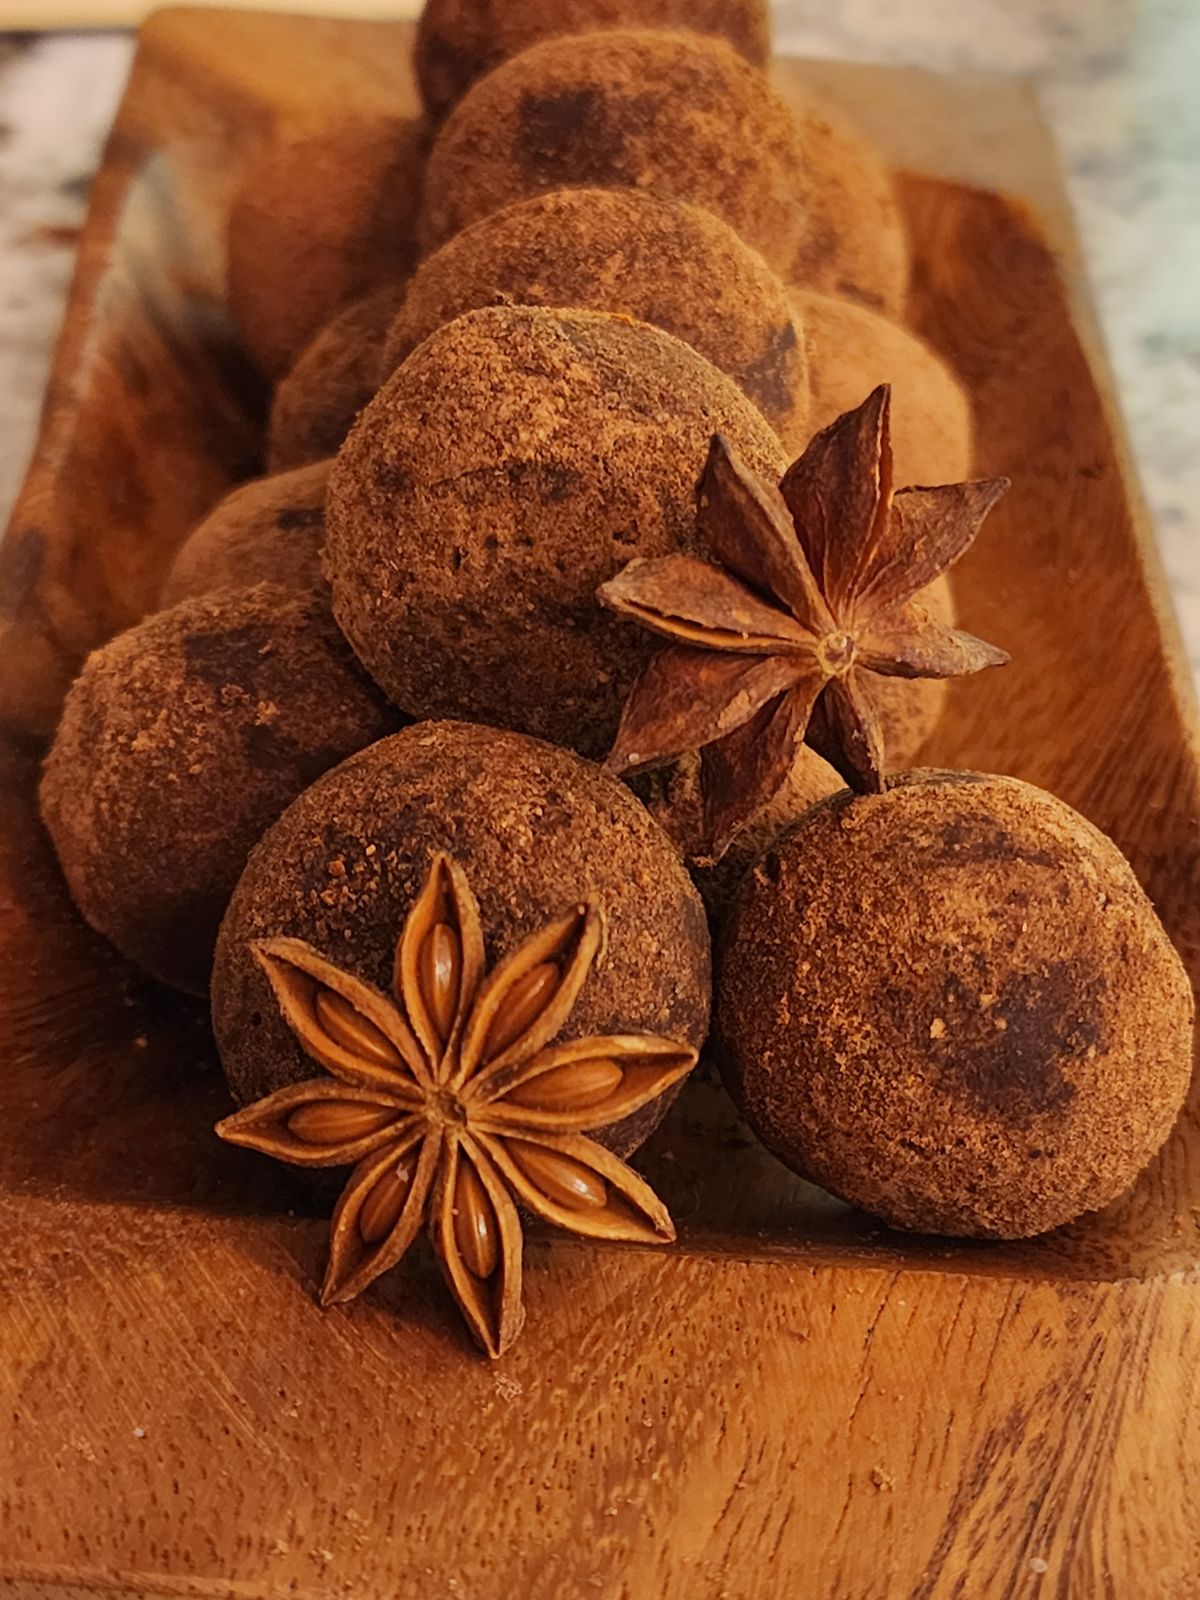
<point x="792" y="1403"/>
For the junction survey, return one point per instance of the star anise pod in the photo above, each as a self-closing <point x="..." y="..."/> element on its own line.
<point x="811" y="592"/>
<point x="454" y="1104"/>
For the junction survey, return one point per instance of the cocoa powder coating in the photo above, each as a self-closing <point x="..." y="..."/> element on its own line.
<point x="850" y="350"/>
<point x="662" y="261"/>
<point x="535" y="829"/>
<point x="458" y="41"/>
<point x="181" y="741"/>
<point x="323" y="219"/>
<point x="676" y="115"/>
<point x="953" y="1005"/>
<point x="856" y="245"/>
<point x="267" y="531"/>
<point x="316" y="404"/>
<point x="518" y="459"/>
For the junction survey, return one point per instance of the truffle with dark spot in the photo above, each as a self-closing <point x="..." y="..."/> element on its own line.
<point x="458" y="41"/>
<point x="316" y="404"/>
<point x="952" y="1005"/>
<point x="856" y="245"/>
<point x="851" y="350"/>
<point x="322" y="220"/>
<point x="676" y="115"/>
<point x="662" y="261"/>
<point x="518" y="459"/>
<point x="181" y="741"/>
<point x="267" y="531"/>
<point x="536" y="830"/>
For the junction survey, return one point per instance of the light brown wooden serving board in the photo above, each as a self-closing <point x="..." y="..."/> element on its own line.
<point x="792" y="1404"/>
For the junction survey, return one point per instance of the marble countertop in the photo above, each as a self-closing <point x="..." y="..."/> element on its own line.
<point x="1117" y="79"/>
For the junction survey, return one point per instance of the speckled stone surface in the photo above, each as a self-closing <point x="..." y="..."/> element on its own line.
<point x="1117" y="80"/>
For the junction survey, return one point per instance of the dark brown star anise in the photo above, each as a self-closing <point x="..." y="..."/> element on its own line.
<point x="813" y="594"/>
<point x="455" y="1106"/>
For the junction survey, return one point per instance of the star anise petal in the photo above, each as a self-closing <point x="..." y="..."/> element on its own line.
<point x="576" y="1184"/>
<point x="743" y="772"/>
<point x="380" y="1212"/>
<point x="581" y="1086"/>
<point x="845" y="730"/>
<point x="345" y="1025"/>
<point x="838" y="493"/>
<point x="687" y="698"/>
<point x="439" y="960"/>
<point x="524" y="1003"/>
<point x="318" y="1123"/>
<point x="476" y="1235"/>
<point x="909" y="643"/>
<point x="746" y="524"/>
<point x="689" y="601"/>
<point x="927" y="532"/>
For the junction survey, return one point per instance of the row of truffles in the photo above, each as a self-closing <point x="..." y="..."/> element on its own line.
<point x="676" y="117"/>
<point x="384" y="664"/>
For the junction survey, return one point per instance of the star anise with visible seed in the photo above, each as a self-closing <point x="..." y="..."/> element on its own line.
<point x="454" y="1104"/>
<point x="813" y="594"/>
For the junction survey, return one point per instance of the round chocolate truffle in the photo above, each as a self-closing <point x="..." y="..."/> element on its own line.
<point x="316" y="404"/>
<point x="321" y="221"/>
<point x="856" y="245"/>
<point x="536" y="831"/>
<point x="181" y="741"/>
<point x="952" y="1005"/>
<point x="267" y="531"/>
<point x="661" y="261"/>
<point x="676" y="115"/>
<point x="459" y="41"/>
<point x="851" y="350"/>
<point x="518" y="459"/>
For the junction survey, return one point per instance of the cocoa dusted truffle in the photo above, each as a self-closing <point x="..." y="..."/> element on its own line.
<point x="676" y="115"/>
<point x="535" y="831"/>
<point x="459" y="41"/>
<point x="180" y="742"/>
<point x="952" y="1005"/>
<point x="267" y="531"/>
<point x="661" y="261"/>
<point x="323" y="219"/>
<point x="856" y="245"/>
<point x="316" y="404"/>
<point x="850" y="350"/>
<point x="519" y="458"/>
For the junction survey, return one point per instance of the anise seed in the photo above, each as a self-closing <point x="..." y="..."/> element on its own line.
<point x="380" y="1211"/>
<point x="475" y="1227"/>
<point x="560" y="1178"/>
<point x="441" y="974"/>
<point x="350" y="1029"/>
<point x="521" y="1007"/>
<point x="573" y="1087"/>
<point x="338" y="1121"/>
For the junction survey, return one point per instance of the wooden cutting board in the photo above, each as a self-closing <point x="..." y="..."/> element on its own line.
<point x="791" y="1405"/>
